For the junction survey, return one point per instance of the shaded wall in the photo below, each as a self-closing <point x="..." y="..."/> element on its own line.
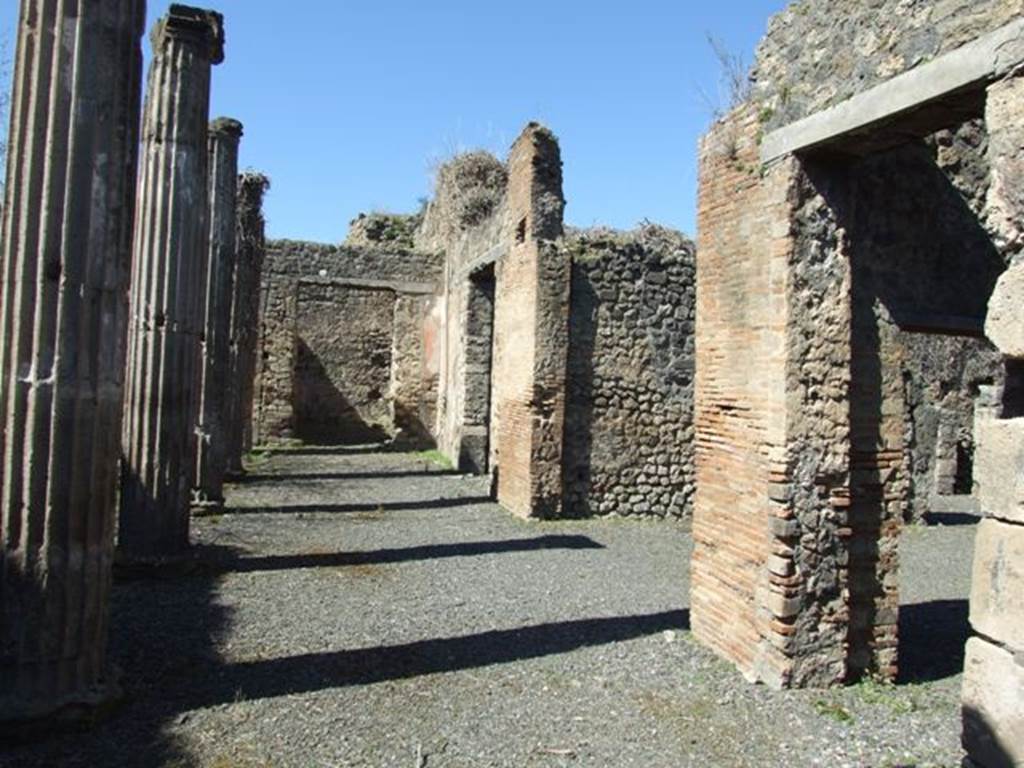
<point x="342" y="368"/>
<point x="337" y="320"/>
<point x="923" y="269"/>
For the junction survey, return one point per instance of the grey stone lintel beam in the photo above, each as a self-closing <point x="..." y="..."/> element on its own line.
<point x="968" y="68"/>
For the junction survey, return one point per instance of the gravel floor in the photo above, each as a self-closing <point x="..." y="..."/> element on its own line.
<point x="362" y="609"/>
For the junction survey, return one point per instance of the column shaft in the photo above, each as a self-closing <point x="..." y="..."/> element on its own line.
<point x="245" y="315"/>
<point x="64" y="258"/>
<point x="211" y="463"/>
<point x="167" y="290"/>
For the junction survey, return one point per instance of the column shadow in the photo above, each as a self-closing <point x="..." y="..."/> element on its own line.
<point x="231" y="562"/>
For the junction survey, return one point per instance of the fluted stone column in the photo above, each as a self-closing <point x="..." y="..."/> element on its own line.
<point x="65" y="254"/>
<point x="167" y="290"/>
<point x="211" y="463"/>
<point x="245" y="315"/>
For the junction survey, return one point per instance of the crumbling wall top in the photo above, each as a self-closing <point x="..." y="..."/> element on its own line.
<point x="469" y="189"/>
<point x="384" y="230"/>
<point x="538" y="145"/>
<point x="595" y="242"/>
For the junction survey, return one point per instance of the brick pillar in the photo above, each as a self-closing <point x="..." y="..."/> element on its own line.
<point x="167" y="290"/>
<point x="531" y="331"/>
<point x="993" y="692"/>
<point x="245" y="316"/>
<point x="211" y="459"/>
<point x="772" y="526"/>
<point x="63" y="318"/>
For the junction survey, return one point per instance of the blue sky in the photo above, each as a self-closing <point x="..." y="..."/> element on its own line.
<point x="349" y="106"/>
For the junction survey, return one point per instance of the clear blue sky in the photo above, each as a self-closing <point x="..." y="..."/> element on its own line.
<point x="348" y="106"/>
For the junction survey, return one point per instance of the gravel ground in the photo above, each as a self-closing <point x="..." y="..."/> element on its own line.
<point x="367" y="609"/>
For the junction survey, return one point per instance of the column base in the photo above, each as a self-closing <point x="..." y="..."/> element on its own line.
<point x="129" y="568"/>
<point x="73" y="715"/>
<point x="207" y="507"/>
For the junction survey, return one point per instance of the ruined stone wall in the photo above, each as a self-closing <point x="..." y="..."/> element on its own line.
<point x="508" y="218"/>
<point x="628" y="446"/>
<point x="808" y="569"/>
<point x="819" y="52"/>
<point x="330" y="316"/>
<point x="531" y="331"/>
<point x="743" y="530"/>
<point x="920" y="269"/>
<point x="466" y="221"/>
<point x="884" y="264"/>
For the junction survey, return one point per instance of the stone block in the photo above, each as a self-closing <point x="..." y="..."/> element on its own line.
<point x="1004" y="325"/>
<point x="997" y="596"/>
<point x="993" y="716"/>
<point x="999" y="468"/>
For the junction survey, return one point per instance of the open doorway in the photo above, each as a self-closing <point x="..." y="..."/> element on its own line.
<point x="922" y="268"/>
<point x="475" y="446"/>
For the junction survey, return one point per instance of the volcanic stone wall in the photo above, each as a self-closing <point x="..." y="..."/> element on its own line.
<point x="597" y="326"/>
<point x="920" y="271"/>
<point x="628" y="446"/>
<point x="818" y="53"/>
<point x="345" y="347"/>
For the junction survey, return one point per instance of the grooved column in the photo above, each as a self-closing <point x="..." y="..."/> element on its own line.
<point x="211" y="462"/>
<point x="167" y="290"/>
<point x="63" y="313"/>
<point x="245" y="315"/>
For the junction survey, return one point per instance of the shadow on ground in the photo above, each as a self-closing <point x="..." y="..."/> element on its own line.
<point x="166" y="633"/>
<point x="387" y="506"/>
<point x="232" y="563"/>
<point x="380" y="475"/>
<point x="932" y="637"/>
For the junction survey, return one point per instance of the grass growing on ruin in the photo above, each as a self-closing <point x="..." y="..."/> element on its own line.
<point x="436" y="457"/>
<point x="871" y="692"/>
<point x="900" y="700"/>
<point x="833" y="710"/>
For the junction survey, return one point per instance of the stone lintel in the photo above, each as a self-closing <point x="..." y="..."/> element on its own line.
<point x="197" y="24"/>
<point x="969" y="67"/>
<point x="397" y="286"/>
<point x="483" y="261"/>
